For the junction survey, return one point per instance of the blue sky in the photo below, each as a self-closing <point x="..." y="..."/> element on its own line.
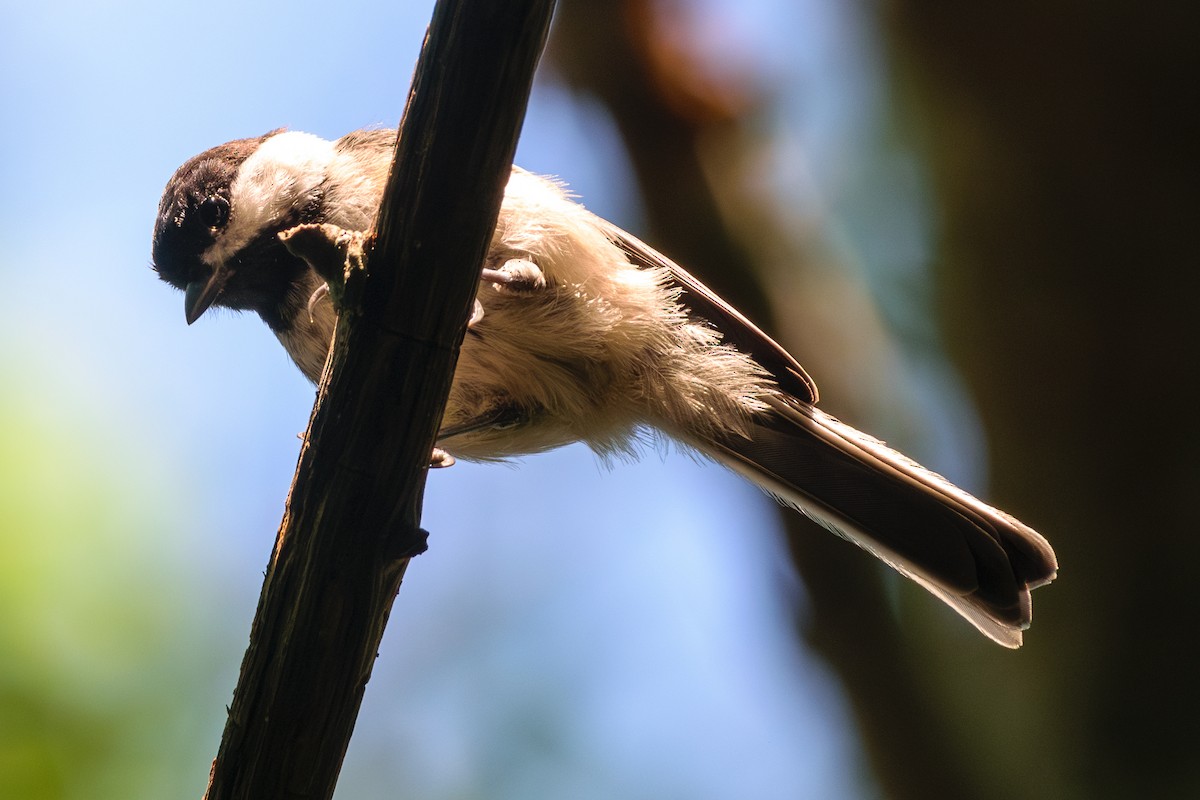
<point x="573" y="631"/>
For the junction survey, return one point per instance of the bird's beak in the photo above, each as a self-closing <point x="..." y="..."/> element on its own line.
<point x="199" y="295"/>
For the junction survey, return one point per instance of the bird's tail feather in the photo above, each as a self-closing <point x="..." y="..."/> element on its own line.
<point x="979" y="560"/>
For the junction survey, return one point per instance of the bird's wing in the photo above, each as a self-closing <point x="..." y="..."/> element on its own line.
<point x="727" y="320"/>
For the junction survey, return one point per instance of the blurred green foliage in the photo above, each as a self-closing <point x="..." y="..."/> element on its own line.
<point x="98" y="688"/>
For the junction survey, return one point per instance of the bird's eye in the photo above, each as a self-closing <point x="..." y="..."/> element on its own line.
<point x="213" y="211"/>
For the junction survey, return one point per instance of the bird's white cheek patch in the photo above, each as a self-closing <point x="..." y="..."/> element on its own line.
<point x="281" y="174"/>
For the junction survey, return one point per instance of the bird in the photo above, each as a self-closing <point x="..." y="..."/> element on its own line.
<point x="583" y="333"/>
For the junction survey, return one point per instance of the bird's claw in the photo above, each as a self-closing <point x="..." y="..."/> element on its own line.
<point x="517" y="275"/>
<point x="318" y="294"/>
<point x="440" y="459"/>
<point x="476" y="315"/>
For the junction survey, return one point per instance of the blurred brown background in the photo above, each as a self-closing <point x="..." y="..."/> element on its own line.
<point x="1059" y="143"/>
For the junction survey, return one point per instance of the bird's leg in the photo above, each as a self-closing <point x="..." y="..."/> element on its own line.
<point x="333" y="253"/>
<point x="500" y="417"/>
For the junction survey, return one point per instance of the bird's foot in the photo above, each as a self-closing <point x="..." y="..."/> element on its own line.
<point x="517" y="275"/>
<point x="440" y="459"/>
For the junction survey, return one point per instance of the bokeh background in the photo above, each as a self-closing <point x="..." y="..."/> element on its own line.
<point x="972" y="222"/>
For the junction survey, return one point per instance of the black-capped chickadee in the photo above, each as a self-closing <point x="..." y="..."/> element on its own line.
<point x="583" y="333"/>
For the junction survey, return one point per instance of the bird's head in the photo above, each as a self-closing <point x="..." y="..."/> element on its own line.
<point x="216" y="236"/>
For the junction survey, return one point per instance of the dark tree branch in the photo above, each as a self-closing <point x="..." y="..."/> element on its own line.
<point x="353" y="514"/>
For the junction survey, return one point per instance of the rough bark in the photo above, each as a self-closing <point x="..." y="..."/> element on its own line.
<point x="353" y="515"/>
